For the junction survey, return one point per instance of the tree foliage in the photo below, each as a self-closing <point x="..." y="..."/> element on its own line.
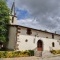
<point x="4" y="20"/>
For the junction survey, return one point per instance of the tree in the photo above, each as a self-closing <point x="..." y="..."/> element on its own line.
<point x="4" y="20"/>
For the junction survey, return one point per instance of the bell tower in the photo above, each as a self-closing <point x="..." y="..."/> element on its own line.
<point x="13" y="17"/>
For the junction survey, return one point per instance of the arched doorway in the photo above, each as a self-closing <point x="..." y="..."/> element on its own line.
<point x="40" y="45"/>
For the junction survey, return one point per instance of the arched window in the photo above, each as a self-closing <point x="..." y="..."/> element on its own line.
<point x="53" y="44"/>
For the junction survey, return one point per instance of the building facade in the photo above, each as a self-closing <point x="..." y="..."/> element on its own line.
<point x="25" y="38"/>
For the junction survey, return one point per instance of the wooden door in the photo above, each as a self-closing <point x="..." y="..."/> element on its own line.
<point x="39" y="45"/>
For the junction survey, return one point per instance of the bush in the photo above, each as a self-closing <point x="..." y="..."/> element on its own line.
<point x="10" y="54"/>
<point x="31" y="52"/>
<point x="2" y="54"/>
<point x="21" y="53"/>
<point x="16" y="53"/>
<point x="55" y="51"/>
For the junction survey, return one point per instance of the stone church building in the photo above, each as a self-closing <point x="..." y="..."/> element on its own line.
<point x="26" y="38"/>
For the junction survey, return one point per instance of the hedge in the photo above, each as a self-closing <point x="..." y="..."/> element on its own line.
<point x="11" y="54"/>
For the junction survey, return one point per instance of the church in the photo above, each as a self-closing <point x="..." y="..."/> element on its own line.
<point x="23" y="38"/>
<point x="26" y="38"/>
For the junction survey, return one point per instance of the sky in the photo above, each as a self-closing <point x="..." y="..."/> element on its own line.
<point x="39" y="14"/>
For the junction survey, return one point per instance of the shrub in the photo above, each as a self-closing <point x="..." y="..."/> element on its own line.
<point x="31" y="52"/>
<point x="16" y="53"/>
<point x="24" y="53"/>
<point x="2" y="54"/>
<point x="55" y="51"/>
<point x="9" y="54"/>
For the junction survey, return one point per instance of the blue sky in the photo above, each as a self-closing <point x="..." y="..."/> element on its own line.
<point x="21" y="13"/>
<point x="39" y="14"/>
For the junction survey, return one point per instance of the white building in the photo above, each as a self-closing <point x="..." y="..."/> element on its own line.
<point x="25" y="38"/>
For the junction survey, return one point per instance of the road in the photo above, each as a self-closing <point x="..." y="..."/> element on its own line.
<point x="32" y="58"/>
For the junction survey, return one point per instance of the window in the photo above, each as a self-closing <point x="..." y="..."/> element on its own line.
<point x="52" y="35"/>
<point x="34" y="40"/>
<point x="26" y="40"/>
<point x="46" y="37"/>
<point x="12" y="19"/>
<point x="53" y="45"/>
<point x="29" y="31"/>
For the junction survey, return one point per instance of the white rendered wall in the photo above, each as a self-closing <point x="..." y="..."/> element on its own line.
<point x="30" y="45"/>
<point x="57" y="37"/>
<point x="15" y="20"/>
<point x="47" y="42"/>
<point x="26" y="45"/>
<point x="39" y="33"/>
<point x="12" y="37"/>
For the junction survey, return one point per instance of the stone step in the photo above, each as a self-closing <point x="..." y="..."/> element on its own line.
<point x="46" y="54"/>
<point x="43" y="54"/>
<point x="38" y="53"/>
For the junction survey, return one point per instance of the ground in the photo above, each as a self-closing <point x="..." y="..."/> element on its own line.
<point x="33" y="58"/>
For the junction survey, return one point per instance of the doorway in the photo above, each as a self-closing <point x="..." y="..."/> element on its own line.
<point x="39" y="45"/>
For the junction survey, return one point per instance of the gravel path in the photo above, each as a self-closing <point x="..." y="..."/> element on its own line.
<point x="32" y="58"/>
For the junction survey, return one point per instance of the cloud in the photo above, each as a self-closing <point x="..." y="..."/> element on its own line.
<point x="45" y="12"/>
<point x="30" y="23"/>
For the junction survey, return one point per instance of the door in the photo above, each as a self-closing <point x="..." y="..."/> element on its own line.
<point x="40" y="45"/>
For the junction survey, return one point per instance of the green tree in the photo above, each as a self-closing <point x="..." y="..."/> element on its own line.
<point x="4" y="20"/>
